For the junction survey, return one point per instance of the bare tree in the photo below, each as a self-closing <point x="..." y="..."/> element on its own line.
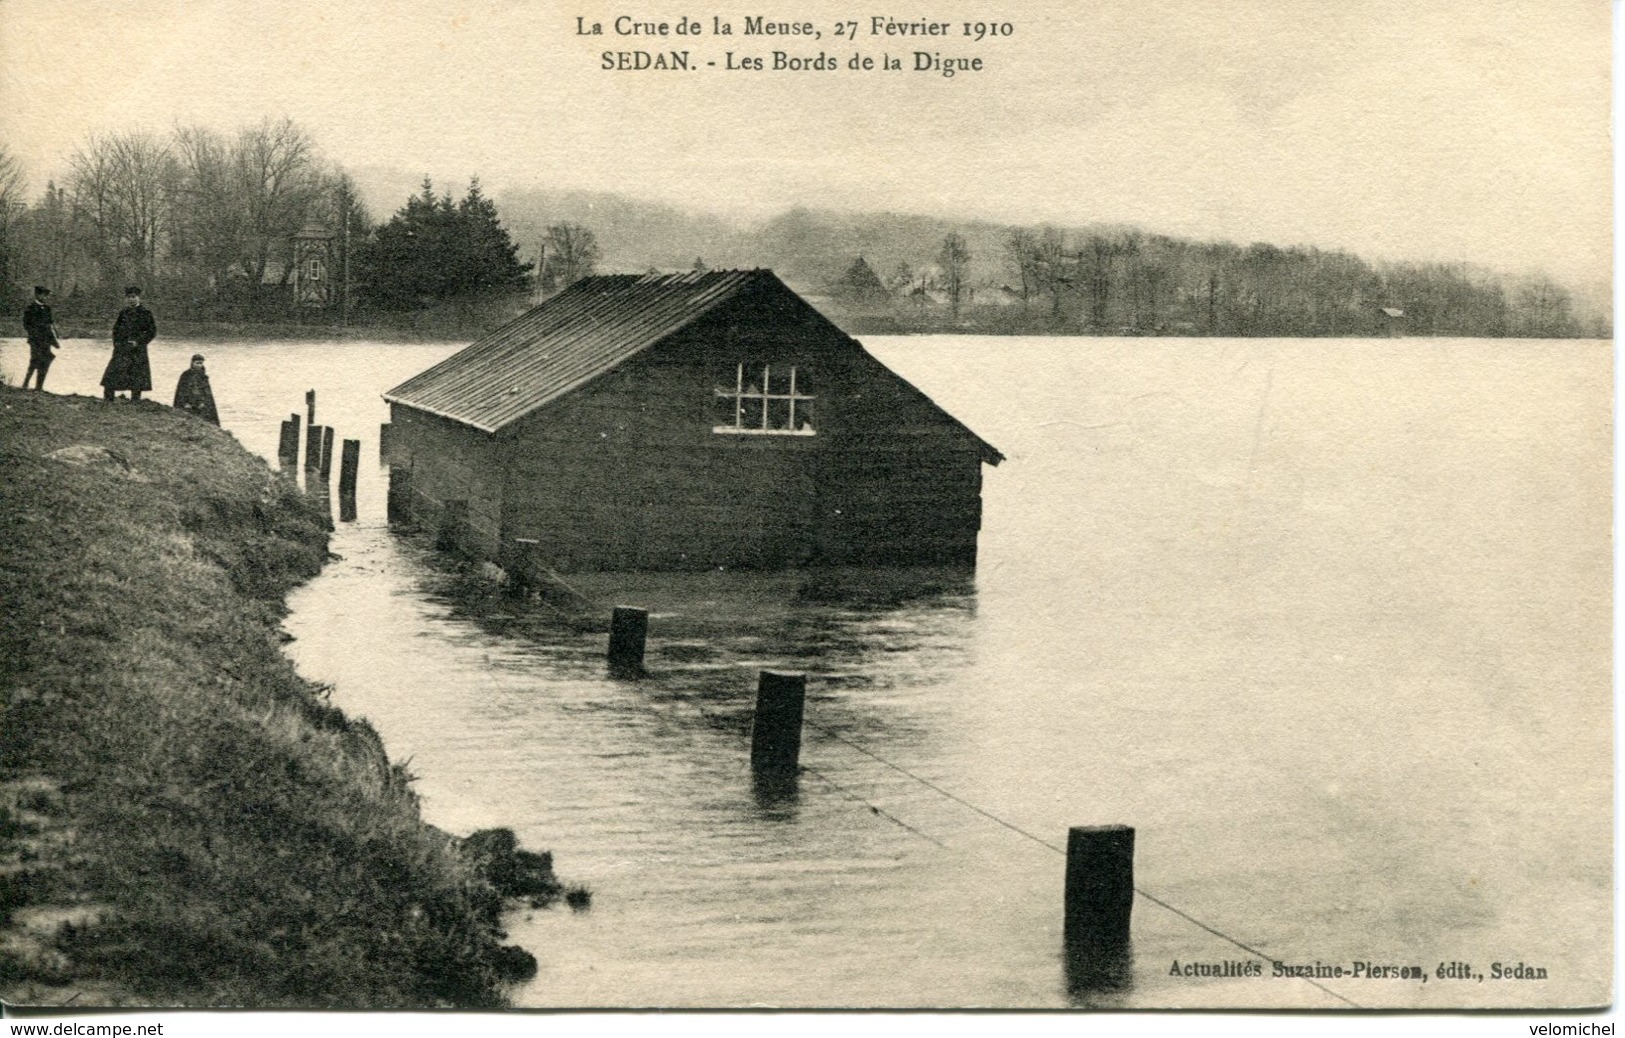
<point x="210" y="221"/>
<point x="1053" y="269"/>
<point x="12" y="181"/>
<point x="278" y="180"/>
<point x="1095" y="265"/>
<point x="1543" y="308"/>
<point x="12" y="208"/>
<point x="47" y="245"/>
<point x="1021" y="255"/>
<point x="123" y="187"/>
<point x="1128" y="247"/>
<point x="954" y="259"/>
<point x="572" y="253"/>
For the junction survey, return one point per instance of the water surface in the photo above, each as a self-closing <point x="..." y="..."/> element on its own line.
<point x="1327" y="621"/>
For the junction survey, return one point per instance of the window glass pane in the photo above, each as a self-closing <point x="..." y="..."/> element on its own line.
<point x="803" y="383"/>
<point x="779" y="379"/>
<point x="724" y="409"/>
<point x="804" y="415"/>
<point x="778" y="414"/>
<point x="750" y="412"/>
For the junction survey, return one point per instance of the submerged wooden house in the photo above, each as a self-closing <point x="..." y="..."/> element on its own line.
<point x="684" y="421"/>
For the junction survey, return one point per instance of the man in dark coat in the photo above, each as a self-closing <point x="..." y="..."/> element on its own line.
<point x="192" y="392"/>
<point x="129" y="368"/>
<point x="42" y="340"/>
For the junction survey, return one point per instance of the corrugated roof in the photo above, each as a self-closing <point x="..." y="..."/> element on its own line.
<point x="579" y="334"/>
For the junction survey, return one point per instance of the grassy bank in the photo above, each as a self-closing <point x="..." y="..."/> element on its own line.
<point x="184" y="820"/>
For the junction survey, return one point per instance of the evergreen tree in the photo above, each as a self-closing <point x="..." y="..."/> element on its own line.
<point x="436" y="250"/>
<point x="490" y="259"/>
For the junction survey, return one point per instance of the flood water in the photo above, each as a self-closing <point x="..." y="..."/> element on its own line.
<point x="1326" y="621"/>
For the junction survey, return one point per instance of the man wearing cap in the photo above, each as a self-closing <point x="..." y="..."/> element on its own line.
<point x="41" y="332"/>
<point x="129" y="368"/>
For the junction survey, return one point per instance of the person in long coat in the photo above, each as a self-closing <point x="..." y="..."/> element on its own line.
<point x="129" y="369"/>
<point x="192" y="392"/>
<point x="40" y="328"/>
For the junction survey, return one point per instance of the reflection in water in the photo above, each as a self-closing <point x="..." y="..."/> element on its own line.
<point x="776" y="793"/>
<point x="711" y="633"/>
<point x="318" y="493"/>
<point x="1098" y="974"/>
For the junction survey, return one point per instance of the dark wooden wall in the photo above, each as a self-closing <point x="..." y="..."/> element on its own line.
<point x="448" y="461"/>
<point x="628" y="474"/>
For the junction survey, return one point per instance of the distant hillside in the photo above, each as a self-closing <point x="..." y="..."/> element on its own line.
<point x="808" y="248"/>
<point x="632" y="235"/>
<point x="1095" y="278"/>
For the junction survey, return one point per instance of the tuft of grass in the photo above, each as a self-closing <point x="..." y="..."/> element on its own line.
<point x="243" y="842"/>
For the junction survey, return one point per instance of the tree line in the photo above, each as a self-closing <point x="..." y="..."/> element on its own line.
<point x="206" y="223"/>
<point x="200" y="219"/>
<point x="1128" y="282"/>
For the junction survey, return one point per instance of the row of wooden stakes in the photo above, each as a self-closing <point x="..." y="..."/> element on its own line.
<point x="319" y="457"/>
<point x="1099" y="892"/>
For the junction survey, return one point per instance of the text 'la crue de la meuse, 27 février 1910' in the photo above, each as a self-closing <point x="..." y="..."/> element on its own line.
<point x="795" y="35"/>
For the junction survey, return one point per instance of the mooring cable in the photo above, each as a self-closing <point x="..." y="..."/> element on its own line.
<point x="871" y="805"/>
<point x="1045" y="843"/>
<point x="968" y="805"/>
<point x="933" y="786"/>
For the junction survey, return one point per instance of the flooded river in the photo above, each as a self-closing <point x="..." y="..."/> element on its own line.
<point x="1327" y="621"/>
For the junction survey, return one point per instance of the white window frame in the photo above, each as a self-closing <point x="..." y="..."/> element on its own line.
<point x="315" y="268"/>
<point x="739" y="394"/>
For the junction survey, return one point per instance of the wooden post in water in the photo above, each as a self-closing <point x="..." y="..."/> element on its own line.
<point x="628" y="633"/>
<point x="313" y="449"/>
<point x="287" y="448"/>
<point x="310" y="407"/>
<point x="1099" y="902"/>
<point x="348" y="466"/>
<point x="327" y="453"/>
<point x="775" y="736"/>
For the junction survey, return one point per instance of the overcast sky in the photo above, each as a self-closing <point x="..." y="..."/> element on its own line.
<point x="1468" y="130"/>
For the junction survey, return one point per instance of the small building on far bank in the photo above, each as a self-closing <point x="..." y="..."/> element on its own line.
<point x="684" y="421"/>
<point x="1390" y="321"/>
<point x="302" y="277"/>
<point x="312" y="274"/>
